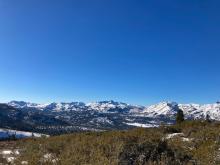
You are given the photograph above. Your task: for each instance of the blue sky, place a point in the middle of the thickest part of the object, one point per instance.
(135, 51)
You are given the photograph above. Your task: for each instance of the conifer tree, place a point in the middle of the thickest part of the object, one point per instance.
(207, 118)
(179, 116)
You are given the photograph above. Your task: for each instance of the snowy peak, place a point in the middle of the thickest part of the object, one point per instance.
(106, 105)
(161, 109)
(17, 104)
(197, 111)
(112, 106)
(58, 107)
(23, 104)
(213, 110)
(102, 106)
(103, 115)
(191, 111)
(48, 107)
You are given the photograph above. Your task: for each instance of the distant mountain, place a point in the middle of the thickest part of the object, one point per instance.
(163, 109)
(197, 111)
(104, 115)
(26, 120)
(168, 109)
(103, 106)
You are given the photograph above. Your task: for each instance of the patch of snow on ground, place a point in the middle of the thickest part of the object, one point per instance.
(6, 152)
(129, 119)
(180, 135)
(186, 139)
(9, 152)
(9, 155)
(7, 133)
(142, 125)
(10, 159)
(102, 120)
(170, 136)
(49, 157)
(24, 162)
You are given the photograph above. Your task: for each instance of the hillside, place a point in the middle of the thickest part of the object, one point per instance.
(190, 143)
(60, 118)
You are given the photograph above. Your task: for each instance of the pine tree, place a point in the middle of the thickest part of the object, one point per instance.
(179, 116)
(207, 118)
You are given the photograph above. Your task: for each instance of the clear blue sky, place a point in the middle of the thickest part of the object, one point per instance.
(135, 51)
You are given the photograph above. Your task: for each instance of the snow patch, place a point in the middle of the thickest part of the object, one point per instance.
(170, 136)
(7, 133)
(179, 135)
(142, 125)
(101, 120)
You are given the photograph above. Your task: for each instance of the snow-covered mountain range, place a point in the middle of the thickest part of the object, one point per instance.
(104, 115)
(102, 106)
(165, 109)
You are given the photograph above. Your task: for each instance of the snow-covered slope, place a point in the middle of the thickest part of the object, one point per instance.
(8, 133)
(168, 109)
(102, 106)
(213, 110)
(22, 105)
(112, 106)
(201, 111)
(161, 109)
(57, 107)
(106, 105)
(191, 111)
(111, 114)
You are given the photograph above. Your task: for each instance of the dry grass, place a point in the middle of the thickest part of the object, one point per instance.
(133, 147)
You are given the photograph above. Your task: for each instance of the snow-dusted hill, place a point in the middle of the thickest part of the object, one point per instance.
(104, 115)
(201, 111)
(23, 104)
(56, 107)
(165, 109)
(191, 111)
(102, 106)
(161, 109)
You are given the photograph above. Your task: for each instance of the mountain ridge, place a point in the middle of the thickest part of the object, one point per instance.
(103, 106)
(103, 115)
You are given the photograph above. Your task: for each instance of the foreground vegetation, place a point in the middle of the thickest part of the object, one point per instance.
(195, 142)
